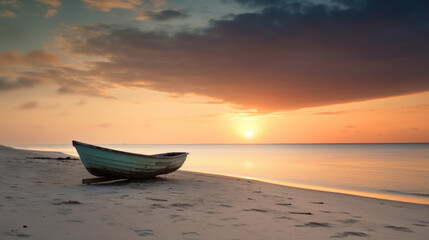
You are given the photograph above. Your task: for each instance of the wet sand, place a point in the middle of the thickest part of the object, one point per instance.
(41, 197)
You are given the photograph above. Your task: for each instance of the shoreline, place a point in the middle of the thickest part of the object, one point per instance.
(44, 199)
(423, 201)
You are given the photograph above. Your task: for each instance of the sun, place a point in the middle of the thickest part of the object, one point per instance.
(249, 133)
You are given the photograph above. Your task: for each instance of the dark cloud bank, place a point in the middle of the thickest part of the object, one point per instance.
(21, 82)
(286, 55)
(165, 15)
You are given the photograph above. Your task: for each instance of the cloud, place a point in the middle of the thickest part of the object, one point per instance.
(107, 5)
(50, 13)
(51, 7)
(29, 105)
(161, 15)
(35, 57)
(154, 3)
(12, 3)
(74, 81)
(282, 57)
(263, 3)
(7, 14)
(21, 82)
(52, 3)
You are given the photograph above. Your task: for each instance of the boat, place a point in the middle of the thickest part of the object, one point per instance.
(110, 163)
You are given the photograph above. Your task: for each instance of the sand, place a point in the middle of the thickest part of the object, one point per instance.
(44, 199)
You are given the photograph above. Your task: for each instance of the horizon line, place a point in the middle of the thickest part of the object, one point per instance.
(315, 143)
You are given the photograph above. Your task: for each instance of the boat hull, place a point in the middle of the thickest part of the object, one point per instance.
(106, 162)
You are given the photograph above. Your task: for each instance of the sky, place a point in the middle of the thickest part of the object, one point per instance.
(214, 71)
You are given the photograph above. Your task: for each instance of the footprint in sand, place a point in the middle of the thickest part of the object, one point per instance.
(22, 235)
(157, 205)
(421, 224)
(225, 205)
(350, 234)
(256, 210)
(73, 221)
(315, 224)
(177, 218)
(239, 225)
(302, 213)
(182, 205)
(190, 233)
(17, 234)
(284, 204)
(144, 233)
(348, 221)
(401, 229)
(157, 199)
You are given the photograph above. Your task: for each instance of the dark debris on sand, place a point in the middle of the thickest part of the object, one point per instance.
(50, 158)
(70, 202)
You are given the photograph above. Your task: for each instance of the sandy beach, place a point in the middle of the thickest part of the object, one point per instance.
(42, 198)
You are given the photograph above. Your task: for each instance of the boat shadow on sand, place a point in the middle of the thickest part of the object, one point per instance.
(106, 181)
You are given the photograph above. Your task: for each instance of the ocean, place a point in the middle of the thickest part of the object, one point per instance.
(386, 171)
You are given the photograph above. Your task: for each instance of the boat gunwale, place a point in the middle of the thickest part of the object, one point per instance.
(156, 156)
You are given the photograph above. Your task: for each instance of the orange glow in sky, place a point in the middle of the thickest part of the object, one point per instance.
(154, 117)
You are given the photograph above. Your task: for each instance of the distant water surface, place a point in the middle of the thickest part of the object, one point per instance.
(387, 171)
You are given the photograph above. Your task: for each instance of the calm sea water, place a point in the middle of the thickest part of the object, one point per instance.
(387, 171)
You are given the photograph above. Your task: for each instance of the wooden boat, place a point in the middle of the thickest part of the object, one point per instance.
(105, 162)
